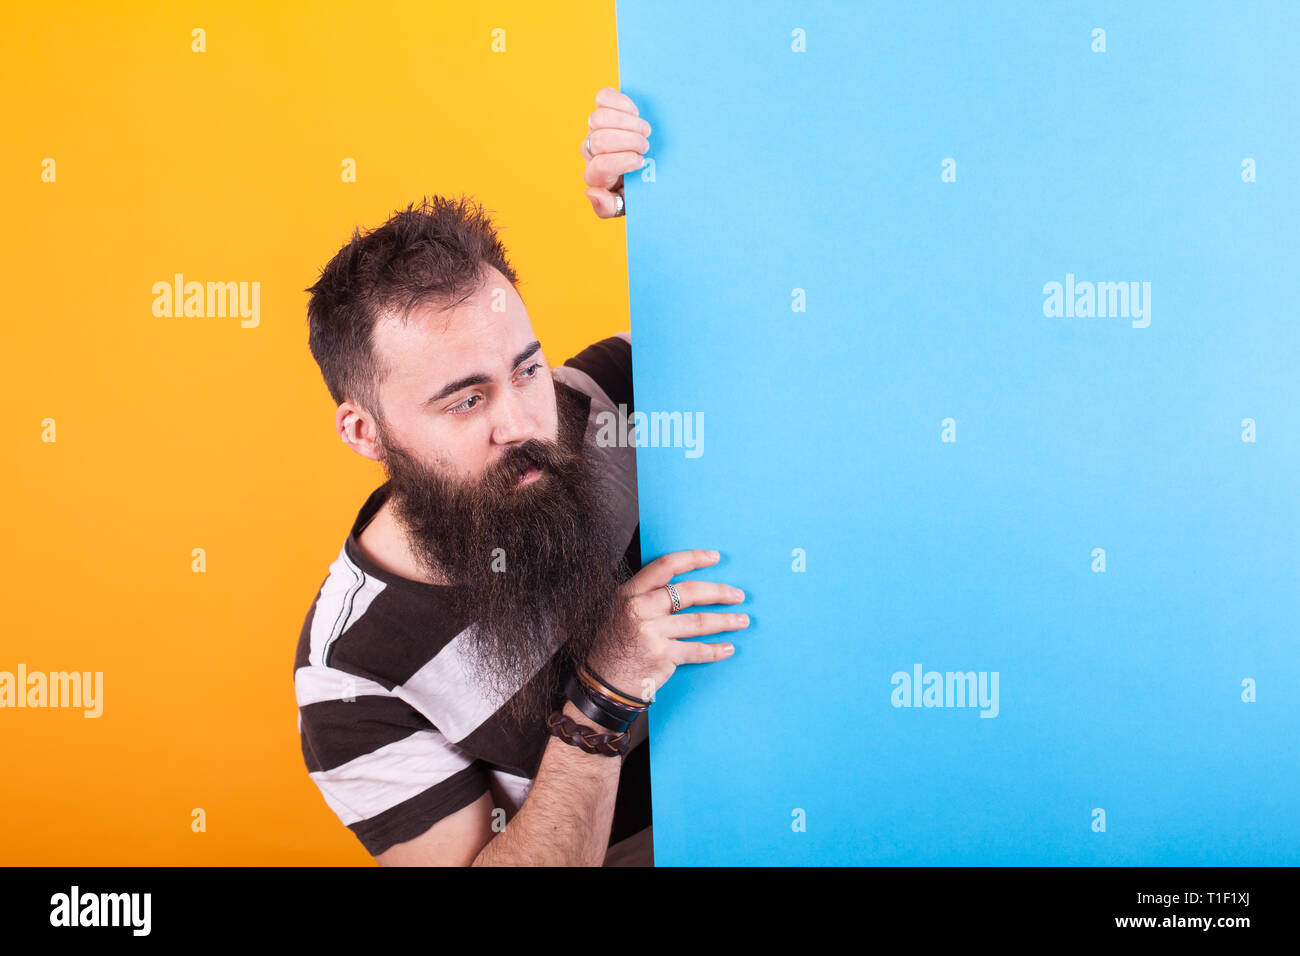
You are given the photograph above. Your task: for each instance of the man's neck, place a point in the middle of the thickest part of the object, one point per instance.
(384, 542)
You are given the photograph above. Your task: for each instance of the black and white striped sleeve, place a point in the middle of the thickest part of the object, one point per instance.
(381, 766)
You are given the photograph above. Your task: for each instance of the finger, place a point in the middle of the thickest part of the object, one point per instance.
(697, 652)
(602, 201)
(699, 623)
(616, 140)
(695, 594)
(665, 567)
(608, 96)
(604, 169)
(616, 119)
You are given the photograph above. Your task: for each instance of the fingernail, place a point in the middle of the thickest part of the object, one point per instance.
(742, 618)
(714, 555)
(728, 650)
(737, 593)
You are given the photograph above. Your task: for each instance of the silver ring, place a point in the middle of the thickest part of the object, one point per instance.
(619, 210)
(677, 603)
(586, 144)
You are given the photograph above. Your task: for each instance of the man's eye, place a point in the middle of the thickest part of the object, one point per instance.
(465, 407)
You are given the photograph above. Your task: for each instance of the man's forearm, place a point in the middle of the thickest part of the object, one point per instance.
(566, 818)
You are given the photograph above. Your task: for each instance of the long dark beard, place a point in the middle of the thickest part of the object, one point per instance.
(533, 567)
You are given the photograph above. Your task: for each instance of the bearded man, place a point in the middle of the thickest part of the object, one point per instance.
(474, 673)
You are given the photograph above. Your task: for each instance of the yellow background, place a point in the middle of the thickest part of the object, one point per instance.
(183, 433)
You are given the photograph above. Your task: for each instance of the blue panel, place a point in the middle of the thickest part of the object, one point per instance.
(805, 279)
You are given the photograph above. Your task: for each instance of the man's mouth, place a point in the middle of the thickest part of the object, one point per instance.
(528, 475)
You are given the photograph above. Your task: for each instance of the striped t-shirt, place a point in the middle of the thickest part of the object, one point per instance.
(393, 733)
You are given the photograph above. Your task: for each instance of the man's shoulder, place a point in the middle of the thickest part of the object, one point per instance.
(603, 370)
(606, 365)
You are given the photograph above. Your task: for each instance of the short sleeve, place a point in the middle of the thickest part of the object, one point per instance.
(609, 364)
(384, 769)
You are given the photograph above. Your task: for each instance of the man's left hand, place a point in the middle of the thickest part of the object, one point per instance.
(616, 144)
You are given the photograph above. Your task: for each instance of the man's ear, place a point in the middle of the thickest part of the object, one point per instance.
(357, 429)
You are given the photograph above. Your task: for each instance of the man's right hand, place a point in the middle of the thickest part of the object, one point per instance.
(651, 646)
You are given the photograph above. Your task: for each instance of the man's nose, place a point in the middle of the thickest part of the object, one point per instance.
(513, 423)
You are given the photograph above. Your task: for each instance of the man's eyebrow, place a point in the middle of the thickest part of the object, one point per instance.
(478, 378)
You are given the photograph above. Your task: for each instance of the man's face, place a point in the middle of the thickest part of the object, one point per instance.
(492, 484)
(466, 385)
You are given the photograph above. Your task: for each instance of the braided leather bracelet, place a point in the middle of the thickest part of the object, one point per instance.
(592, 741)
